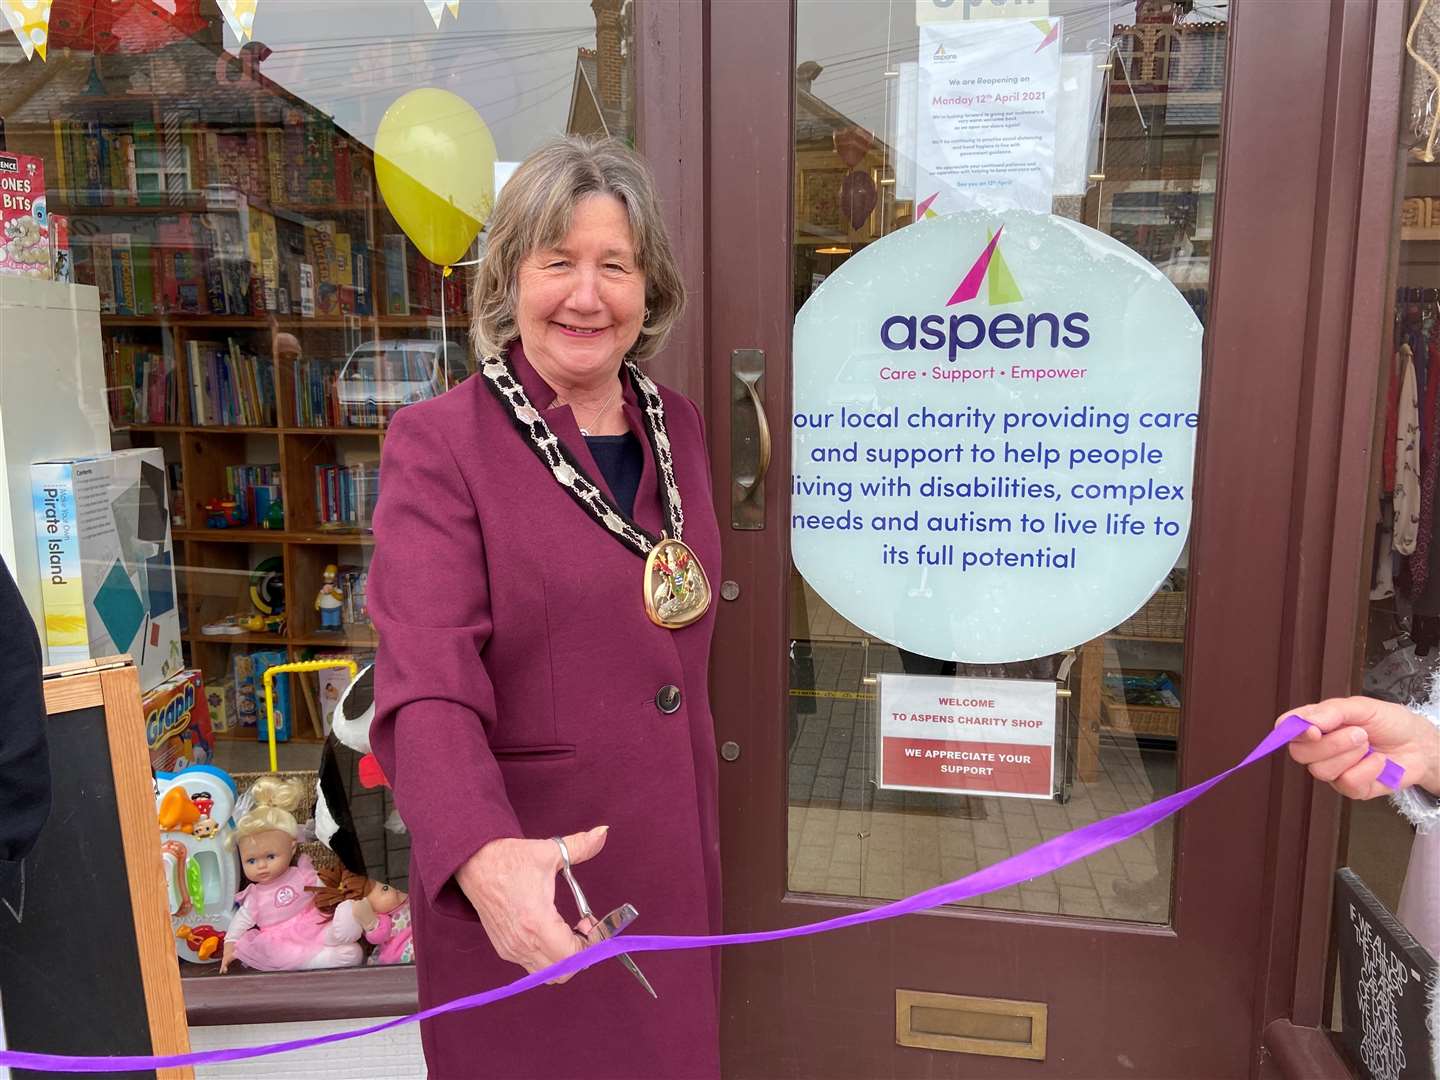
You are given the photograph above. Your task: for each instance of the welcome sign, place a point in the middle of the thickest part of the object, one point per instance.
(993, 435)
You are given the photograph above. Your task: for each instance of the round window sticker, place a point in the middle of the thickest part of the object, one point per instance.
(994, 435)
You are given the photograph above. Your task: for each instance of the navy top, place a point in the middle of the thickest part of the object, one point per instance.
(620, 460)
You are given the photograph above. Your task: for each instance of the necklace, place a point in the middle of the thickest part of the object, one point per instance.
(676, 591)
(598, 412)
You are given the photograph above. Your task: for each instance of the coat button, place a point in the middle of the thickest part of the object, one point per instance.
(667, 699)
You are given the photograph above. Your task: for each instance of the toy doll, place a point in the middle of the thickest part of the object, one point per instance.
(277, 926)
(330, 600)
(382, 912)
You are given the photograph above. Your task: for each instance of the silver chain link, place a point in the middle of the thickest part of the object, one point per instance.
(497, 370)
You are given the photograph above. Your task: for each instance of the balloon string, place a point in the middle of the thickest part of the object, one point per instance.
(444, 331)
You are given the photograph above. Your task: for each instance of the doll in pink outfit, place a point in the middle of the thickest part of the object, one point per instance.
(278, 927)
(381, 911)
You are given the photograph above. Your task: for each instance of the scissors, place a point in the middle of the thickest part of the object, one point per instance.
(607, 927)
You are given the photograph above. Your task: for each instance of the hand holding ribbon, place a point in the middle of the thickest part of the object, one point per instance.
(1365, 748)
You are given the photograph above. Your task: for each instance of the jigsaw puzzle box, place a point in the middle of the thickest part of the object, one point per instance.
(107, 568)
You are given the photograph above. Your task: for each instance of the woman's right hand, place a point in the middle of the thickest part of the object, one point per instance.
(511, 885)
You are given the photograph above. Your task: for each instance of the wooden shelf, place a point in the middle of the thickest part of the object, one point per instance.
(278, 640)
(275, 536)
(215, 429)
(232, 536)
(366, 639)
(1420, 232)
(367, 430)
(322, 536)
(201, 206)
(355, 640)
(159, 320)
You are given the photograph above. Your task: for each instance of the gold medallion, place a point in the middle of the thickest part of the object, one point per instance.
(676, 592)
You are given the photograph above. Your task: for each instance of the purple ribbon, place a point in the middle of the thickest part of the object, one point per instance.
(1036, 862)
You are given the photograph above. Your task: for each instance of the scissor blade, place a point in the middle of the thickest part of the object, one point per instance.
(640, 975)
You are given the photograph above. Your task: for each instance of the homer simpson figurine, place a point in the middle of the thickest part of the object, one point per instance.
(329, 600)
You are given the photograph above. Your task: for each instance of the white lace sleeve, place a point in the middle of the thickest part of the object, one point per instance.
(1420, 809)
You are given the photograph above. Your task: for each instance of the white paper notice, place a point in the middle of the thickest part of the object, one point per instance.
(985, 115)
(967, 736)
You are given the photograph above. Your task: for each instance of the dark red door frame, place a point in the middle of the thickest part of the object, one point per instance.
(1345, 328)
(1314, 85)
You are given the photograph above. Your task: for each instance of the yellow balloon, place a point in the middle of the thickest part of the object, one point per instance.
(435, 164)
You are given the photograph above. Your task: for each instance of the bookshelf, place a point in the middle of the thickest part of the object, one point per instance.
(244, 264)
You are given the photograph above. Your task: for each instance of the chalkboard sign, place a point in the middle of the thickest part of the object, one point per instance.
(86, 961)
(1386, 980)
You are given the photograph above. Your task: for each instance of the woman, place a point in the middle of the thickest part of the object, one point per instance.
(1349, 745)
(543, 661)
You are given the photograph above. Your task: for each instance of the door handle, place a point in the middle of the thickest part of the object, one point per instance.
(750, 444)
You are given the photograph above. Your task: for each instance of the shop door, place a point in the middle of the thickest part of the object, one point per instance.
(1144, 960)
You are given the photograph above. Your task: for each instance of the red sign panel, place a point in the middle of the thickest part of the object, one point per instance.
(1010, 768)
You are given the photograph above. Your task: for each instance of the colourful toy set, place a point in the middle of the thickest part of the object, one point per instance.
(194, 808)
(177, 723)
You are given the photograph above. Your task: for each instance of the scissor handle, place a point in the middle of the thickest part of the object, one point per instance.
(575, 890)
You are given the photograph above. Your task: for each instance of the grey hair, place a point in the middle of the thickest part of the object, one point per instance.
(534, 212)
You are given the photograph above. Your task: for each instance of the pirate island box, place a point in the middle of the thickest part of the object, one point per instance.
(24, 233)
(107, 568)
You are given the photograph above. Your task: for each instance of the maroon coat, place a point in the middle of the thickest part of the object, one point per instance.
(516, 696)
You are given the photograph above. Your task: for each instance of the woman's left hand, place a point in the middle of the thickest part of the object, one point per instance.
(1337, 750)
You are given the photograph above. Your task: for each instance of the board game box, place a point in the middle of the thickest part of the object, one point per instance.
(177, 723)
(107, 567)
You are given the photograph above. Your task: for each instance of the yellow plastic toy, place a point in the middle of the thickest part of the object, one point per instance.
(281, 669)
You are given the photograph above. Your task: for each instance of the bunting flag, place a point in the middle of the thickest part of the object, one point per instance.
(30, 19)
(240, 15)
(437, 9)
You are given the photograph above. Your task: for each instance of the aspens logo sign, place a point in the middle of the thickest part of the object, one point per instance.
(958, 333)
(993, 436)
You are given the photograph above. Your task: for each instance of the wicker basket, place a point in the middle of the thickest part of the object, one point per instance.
(1154, 720)
(1162, 618)
(319, 854)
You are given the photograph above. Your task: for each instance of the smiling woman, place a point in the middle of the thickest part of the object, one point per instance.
(542, 692)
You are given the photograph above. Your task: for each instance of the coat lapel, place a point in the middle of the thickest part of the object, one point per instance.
(648, 514)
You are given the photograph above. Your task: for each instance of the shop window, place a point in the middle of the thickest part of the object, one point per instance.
(263, 315)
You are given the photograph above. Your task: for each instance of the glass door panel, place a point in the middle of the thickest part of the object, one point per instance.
(1137, 135)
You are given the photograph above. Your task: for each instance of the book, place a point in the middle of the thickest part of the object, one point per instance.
(229, 387)
(122, 267)
(24, 238)
(140, 385)
(307, 290)
(104, 272)
(346, 495)
(397, 282)
(335, 681)
(102, 528)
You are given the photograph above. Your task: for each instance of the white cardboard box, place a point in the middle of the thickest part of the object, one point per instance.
(107, 567)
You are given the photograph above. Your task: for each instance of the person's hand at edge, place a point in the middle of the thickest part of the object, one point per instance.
(1337, 749)
(511, 885)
